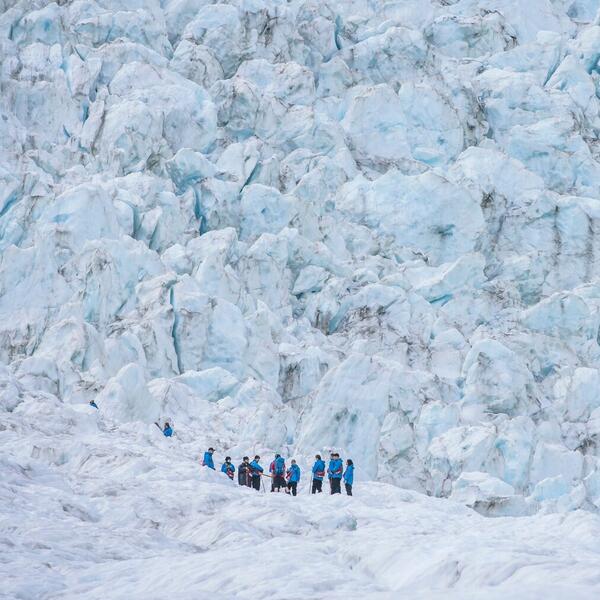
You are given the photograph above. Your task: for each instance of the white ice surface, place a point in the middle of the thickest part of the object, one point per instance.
(92, 509)
(294, 226)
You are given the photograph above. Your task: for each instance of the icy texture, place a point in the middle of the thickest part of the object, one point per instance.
(102, 509)
(299, 225)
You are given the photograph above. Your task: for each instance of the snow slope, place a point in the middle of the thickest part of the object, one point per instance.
(368, 225)
(101, 511)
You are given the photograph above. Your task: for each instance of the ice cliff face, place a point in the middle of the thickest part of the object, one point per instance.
(369, 225)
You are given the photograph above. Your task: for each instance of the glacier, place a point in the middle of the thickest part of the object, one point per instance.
(297, 225)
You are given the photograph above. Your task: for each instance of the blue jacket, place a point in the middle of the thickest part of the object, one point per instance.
(278, 466)
(318, 470)
(293, 474)
(168, 431)
(228, 469)
(207, 461)
(92, 403)
(255, 469)
(335, 469)
(349, 474)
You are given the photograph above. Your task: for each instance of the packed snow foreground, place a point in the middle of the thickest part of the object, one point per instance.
(292, 226)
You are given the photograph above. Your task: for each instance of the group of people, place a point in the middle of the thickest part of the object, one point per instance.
(250, 473)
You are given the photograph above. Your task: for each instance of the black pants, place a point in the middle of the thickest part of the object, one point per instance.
(336, 486)
(278, 483)
(256, 482)
(348, 489)
(317, 486)
(293, 485)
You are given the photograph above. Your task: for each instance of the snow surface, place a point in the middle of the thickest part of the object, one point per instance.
(93, 509)
(368, 225)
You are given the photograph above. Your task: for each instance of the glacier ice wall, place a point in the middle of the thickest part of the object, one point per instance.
(370, 225)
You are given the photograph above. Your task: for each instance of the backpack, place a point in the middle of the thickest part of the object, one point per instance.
(279, 466)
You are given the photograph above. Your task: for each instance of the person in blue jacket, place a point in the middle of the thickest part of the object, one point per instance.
(167, 430)
(255, 471)
(207, 461)
(277, 470)
(228, 468)
(293, 477)
(349, 476)
(318, 473)
(334, 473)
(93, 403)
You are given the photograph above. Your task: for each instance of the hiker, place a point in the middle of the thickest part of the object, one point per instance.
(244, 472)
(334, 473)
(349, 476)
(207, 461)
(277, 470)
(293, 477)
(228, 468)
(93, 403)
(255, 471)
(167, 430)
(318, 472)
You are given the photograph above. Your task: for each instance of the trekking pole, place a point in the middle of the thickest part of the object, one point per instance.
(310, 486)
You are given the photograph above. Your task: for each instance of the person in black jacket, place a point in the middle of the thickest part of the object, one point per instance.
(244, 477)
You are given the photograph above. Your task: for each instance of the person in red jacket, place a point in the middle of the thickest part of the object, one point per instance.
(277, 470)
(255, 471)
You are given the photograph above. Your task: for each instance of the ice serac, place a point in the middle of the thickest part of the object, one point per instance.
(425, 214)
(302, 225)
